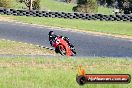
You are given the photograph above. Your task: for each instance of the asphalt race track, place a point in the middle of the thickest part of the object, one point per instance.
(85, 44)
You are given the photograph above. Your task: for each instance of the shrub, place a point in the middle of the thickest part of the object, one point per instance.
(86, 6)
(36, 5)
(5, 3)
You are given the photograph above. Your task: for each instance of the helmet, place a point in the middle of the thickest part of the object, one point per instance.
(51, 34)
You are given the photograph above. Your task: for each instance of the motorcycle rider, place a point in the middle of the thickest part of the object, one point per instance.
(53, 37)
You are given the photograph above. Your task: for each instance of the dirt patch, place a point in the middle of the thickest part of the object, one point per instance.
(5, 18)
(16, 48)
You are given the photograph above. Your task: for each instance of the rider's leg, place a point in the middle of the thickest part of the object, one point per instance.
(70, 44)
(67, 40)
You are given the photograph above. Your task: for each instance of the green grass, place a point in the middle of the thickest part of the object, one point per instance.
(59, 6)
(59, 72)
(17, 5)
(48, 5)
(15, 48)
(122, 28)
(104, 10)
(56, 6)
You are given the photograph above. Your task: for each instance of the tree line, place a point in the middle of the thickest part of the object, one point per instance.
(92, 5)
(85, 6)
(124, 5)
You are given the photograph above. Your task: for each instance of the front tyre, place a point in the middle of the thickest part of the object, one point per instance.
(62, 50)
(73, 51)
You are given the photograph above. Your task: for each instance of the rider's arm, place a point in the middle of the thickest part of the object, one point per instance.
(52, 41)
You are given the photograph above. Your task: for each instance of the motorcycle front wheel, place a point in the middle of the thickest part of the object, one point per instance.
(62, 50)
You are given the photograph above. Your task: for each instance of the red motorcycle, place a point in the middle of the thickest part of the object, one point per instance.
(62, 47)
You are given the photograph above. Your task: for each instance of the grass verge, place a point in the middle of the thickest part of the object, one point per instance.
(10, 47)
(58, 72)
(110, 27)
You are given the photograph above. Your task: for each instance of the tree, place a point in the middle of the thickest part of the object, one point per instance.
(31, 4)
(5, 3)
(36, 4)
(123, 5)
(86, 6)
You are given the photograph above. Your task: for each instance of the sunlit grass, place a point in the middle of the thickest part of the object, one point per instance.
(15, 48)
(122, 28)
(53, 5)
(59, 72)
